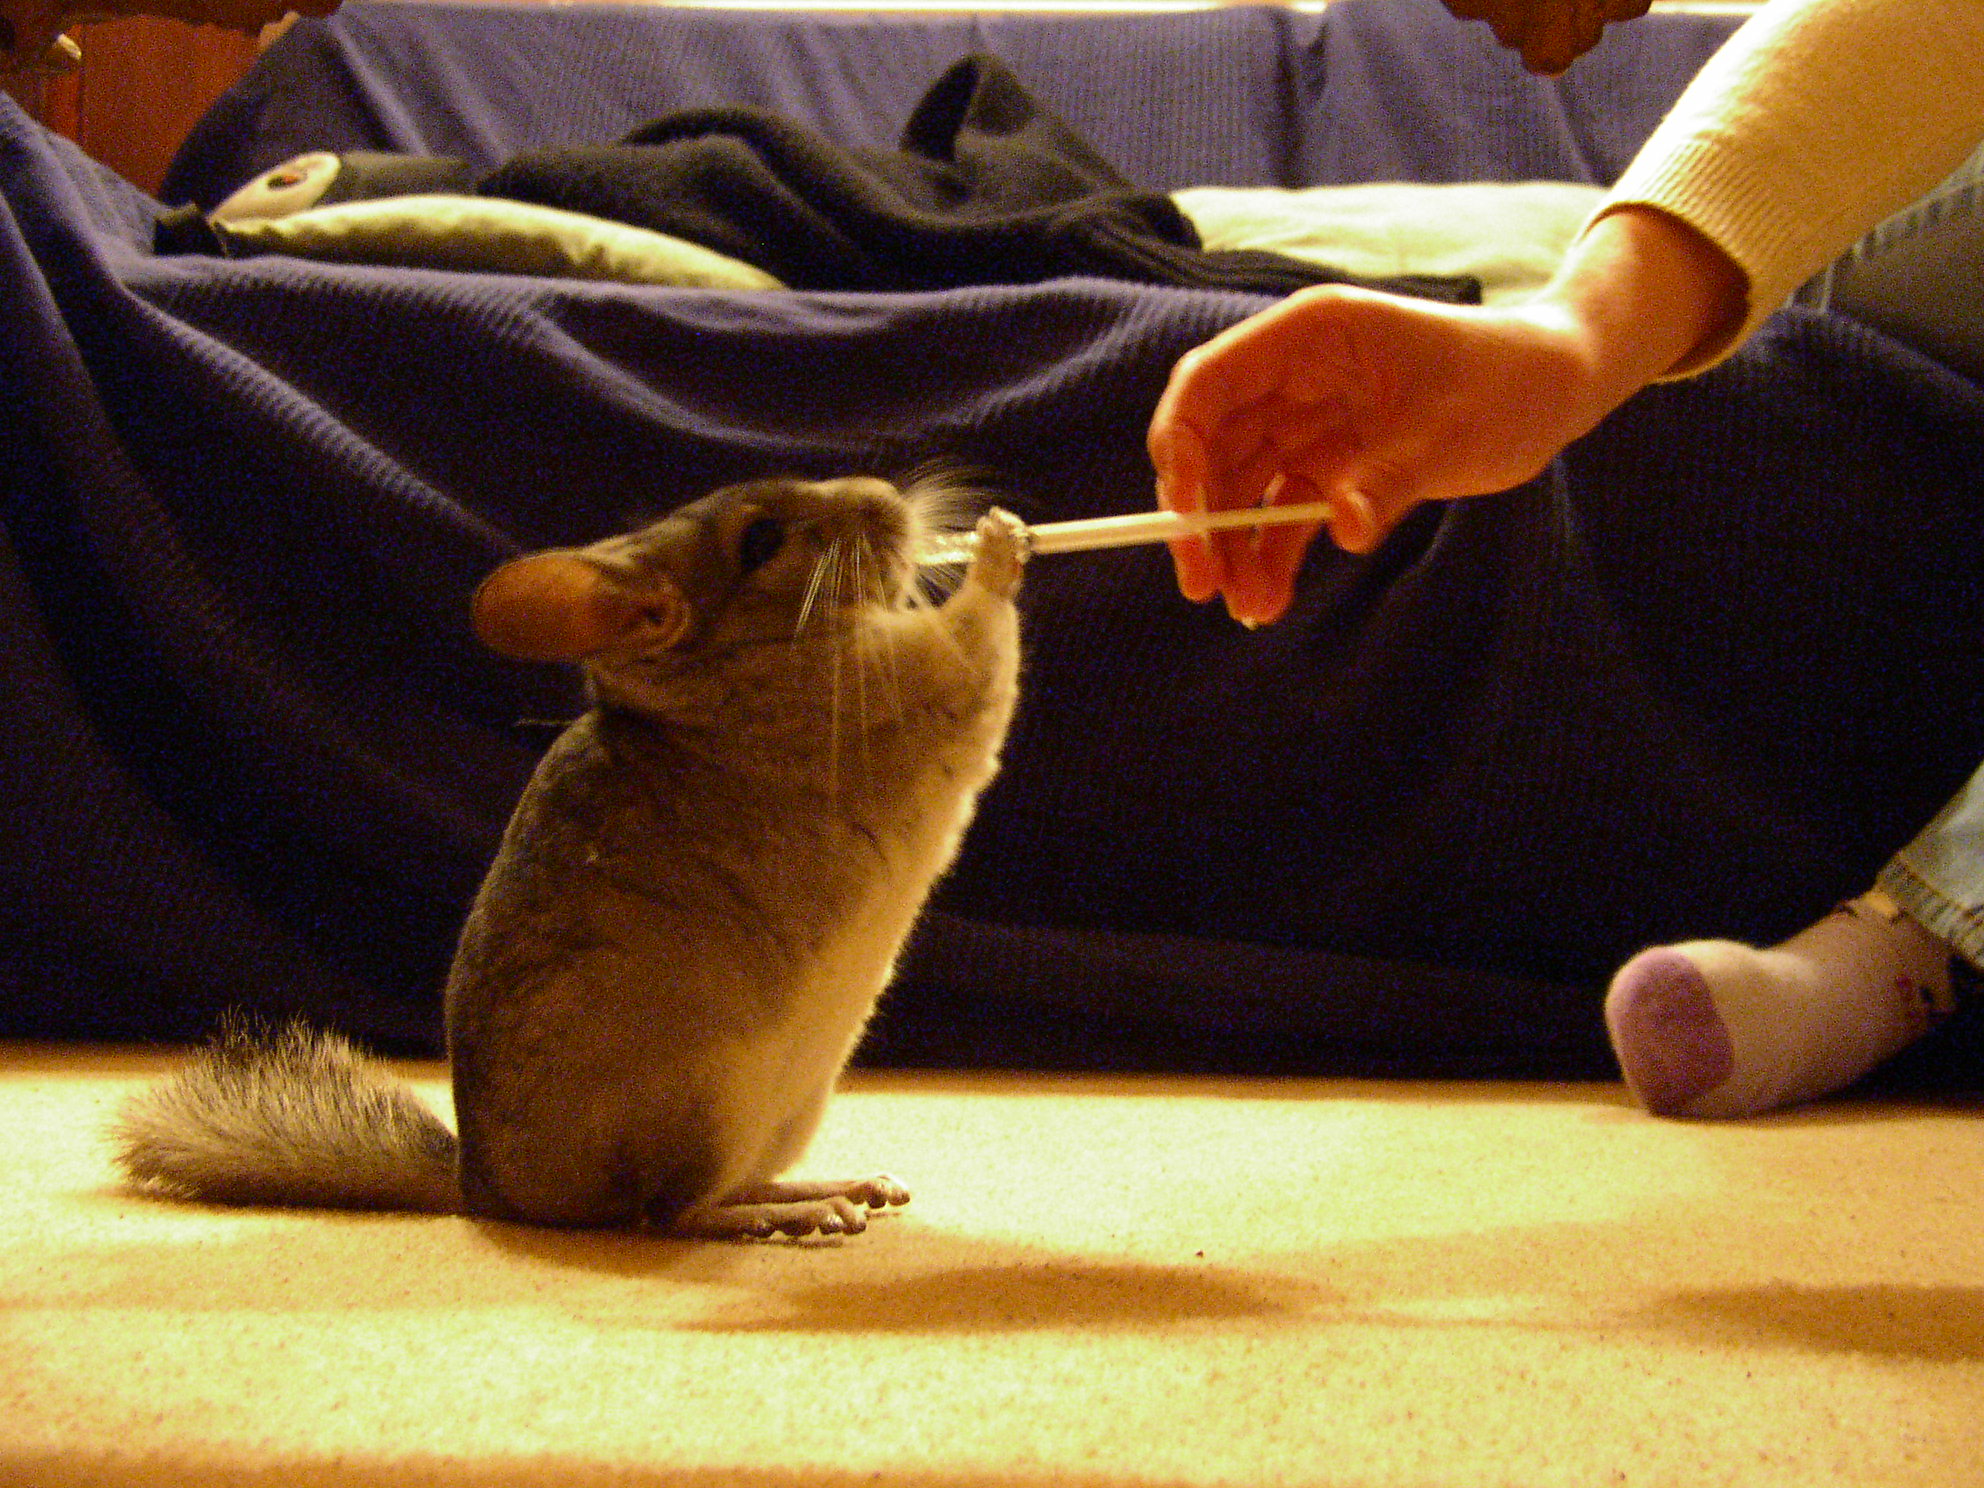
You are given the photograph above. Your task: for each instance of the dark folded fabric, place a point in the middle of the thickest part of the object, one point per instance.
(363, 174)
(988, 187)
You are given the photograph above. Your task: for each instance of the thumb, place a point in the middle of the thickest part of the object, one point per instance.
(1369, 503)
(1354, 522)
(1183, 476)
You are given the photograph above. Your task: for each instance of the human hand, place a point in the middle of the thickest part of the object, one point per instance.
(1375, 404)
(1550, 34)
(1368, 401)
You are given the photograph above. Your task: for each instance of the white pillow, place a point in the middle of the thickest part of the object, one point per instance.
(1509, 235)
(488, 235)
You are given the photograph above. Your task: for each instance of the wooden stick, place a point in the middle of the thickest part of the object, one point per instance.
(1090, 533)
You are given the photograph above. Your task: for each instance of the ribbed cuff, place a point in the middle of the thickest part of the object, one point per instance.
(1742, 207)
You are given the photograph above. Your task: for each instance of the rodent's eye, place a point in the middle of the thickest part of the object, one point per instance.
(759, 544)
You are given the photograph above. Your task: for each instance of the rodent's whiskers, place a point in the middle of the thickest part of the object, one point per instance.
(826, 577)
(941, 504)
(849, 579)
(845, 644)
(820, 567)
(882, 639)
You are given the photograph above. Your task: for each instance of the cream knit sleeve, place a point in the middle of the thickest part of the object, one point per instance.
(1818, 119)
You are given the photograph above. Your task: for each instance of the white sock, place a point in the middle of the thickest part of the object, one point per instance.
(1714, 1028)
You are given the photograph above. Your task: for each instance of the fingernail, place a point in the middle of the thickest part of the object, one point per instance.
(1359, 525)
(1239, 619)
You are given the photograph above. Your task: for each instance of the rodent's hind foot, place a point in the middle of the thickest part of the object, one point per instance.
(878, 1192)
(793, 1207)
(833, 1216)
(1001, 553)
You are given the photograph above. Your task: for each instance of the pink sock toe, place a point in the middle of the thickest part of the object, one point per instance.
(1671, 1043)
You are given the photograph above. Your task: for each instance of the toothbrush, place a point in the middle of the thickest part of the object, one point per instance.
(1090, 533)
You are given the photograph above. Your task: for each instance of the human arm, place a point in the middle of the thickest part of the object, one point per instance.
(1817, 119)
(1815, 122)
(1376, 403)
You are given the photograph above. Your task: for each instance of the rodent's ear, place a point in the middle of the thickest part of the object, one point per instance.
(558, 606)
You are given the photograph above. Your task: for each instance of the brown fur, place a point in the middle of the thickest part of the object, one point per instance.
(699, 898)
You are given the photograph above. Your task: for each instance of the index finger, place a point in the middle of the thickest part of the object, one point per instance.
(1179, 454)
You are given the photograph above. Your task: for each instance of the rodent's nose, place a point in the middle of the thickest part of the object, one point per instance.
(879, 507)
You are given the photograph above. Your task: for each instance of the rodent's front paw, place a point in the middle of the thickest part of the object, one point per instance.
(1001, 552)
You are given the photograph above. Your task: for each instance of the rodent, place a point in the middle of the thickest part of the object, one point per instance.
(699, 898)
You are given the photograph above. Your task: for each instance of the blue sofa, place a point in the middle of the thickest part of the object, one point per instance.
(1699, 677)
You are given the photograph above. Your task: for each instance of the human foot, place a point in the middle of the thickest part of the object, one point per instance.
(1716, 1028)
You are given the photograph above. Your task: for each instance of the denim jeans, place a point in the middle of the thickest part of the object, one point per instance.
(1939, 877)
(1919, 277)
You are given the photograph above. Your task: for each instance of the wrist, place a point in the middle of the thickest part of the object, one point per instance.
(1640, 294)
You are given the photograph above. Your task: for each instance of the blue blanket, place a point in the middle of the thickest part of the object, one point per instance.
(1702, 676)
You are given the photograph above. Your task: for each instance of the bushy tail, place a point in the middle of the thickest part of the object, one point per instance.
(294, 1117)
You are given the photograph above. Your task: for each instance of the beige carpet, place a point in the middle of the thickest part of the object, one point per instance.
(1099, 1283)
